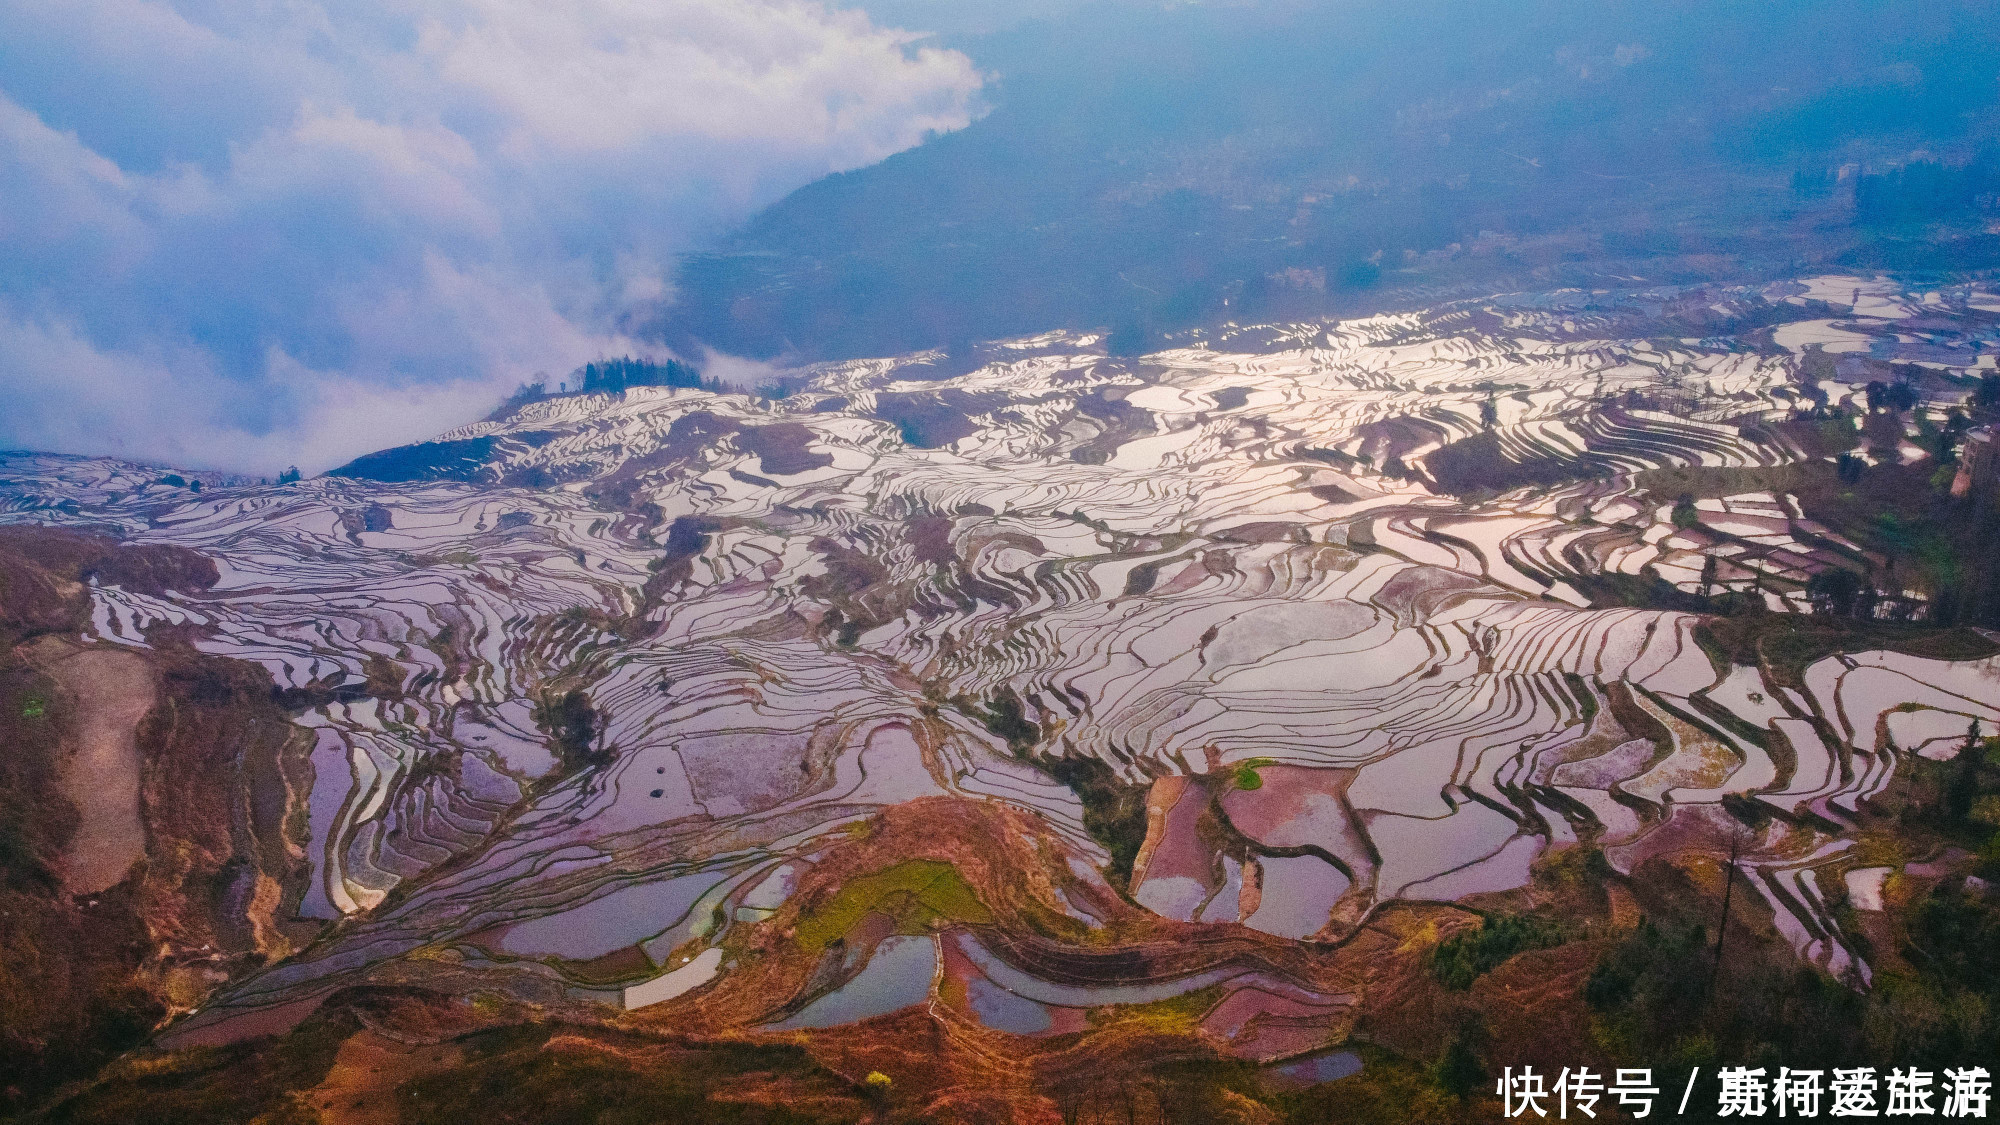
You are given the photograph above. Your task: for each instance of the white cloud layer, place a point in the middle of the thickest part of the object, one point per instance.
(245, 235)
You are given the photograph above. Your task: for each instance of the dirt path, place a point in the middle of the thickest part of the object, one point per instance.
(111, 690)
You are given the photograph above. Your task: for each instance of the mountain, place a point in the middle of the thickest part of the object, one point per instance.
(1228, 731)
(1147, 169)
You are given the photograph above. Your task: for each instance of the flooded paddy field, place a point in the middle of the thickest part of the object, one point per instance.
(590, 720)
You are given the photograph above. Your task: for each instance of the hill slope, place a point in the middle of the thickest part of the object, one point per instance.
(1156, 169)
(1070, 725)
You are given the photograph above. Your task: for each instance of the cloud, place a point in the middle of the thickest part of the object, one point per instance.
(225, 229)
(170, 406)
(792, 77)
(738, 371)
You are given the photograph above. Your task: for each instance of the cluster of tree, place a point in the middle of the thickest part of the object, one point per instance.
(1820, 410)
(1968, 780)
(1665, 994)
(1942, 442)
(611, 375)
(1839, 592)
(1987, 397)
(1685, 514)
(1459, 960)
(571, 723)
(522, 396)
(1898, 396)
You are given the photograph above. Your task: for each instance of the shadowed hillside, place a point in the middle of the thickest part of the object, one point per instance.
(1153, 170)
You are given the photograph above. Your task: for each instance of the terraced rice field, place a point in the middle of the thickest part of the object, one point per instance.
(1229, 571)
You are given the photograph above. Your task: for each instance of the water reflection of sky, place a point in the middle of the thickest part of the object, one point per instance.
(1001, 1010)
(1086, 995)
(619, 919)
(1315, 1069)
(898, 976)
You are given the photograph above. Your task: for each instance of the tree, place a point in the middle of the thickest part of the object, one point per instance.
(1849, 468)
(1833, 592)
(1878, 393)
(1865, 601)
(1963, 788)
(1987, 397)
(570, 721)
(525, 394)
(613, 375)
(1901, 397)
(1458, 1072)
(291, 475)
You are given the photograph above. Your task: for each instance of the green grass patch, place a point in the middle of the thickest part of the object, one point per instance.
(1176, 1015)
(915, 893)
(1247, 777)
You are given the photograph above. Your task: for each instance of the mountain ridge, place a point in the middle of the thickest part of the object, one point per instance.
(1162, 170)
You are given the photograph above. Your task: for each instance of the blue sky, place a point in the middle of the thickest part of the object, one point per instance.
(250, 234)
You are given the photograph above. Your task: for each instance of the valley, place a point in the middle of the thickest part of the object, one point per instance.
(1052, 711)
